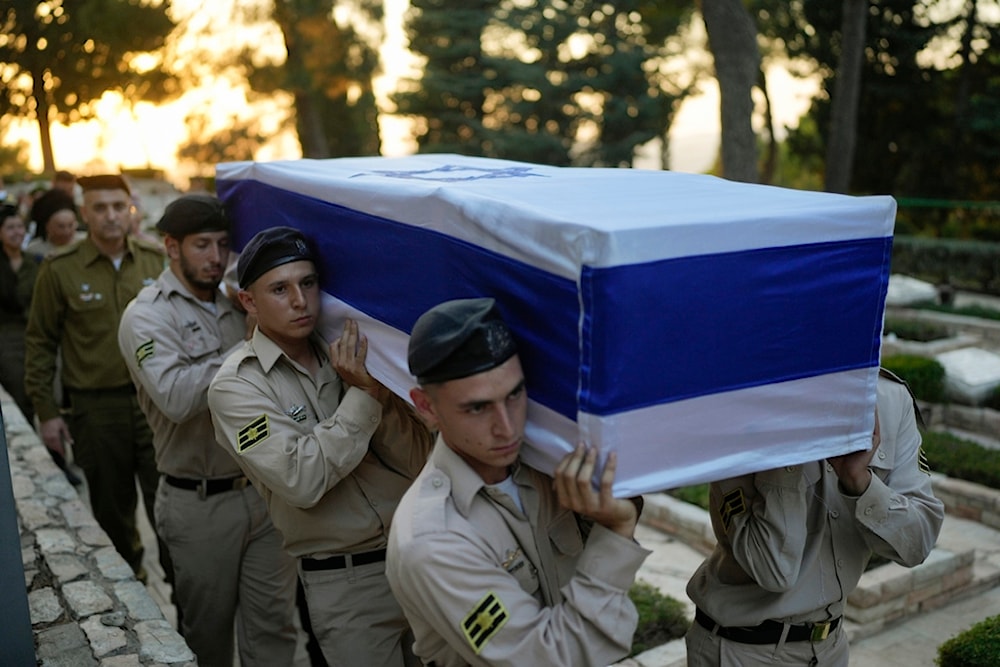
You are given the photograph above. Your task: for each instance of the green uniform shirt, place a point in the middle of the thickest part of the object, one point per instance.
(77, 303)
(15, 292)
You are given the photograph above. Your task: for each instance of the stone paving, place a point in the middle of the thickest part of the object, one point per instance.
(85, 605)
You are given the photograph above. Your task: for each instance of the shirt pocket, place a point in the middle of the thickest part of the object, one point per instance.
(564, 534)
(518, 566)
(198, 342)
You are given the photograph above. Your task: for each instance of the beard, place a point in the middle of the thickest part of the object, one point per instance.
(191, 276)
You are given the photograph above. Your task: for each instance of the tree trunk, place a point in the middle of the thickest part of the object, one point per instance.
(844, 105)
(44, 128)
(732, 38)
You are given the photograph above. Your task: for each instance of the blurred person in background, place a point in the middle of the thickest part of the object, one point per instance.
(56, 223)
(76, 307)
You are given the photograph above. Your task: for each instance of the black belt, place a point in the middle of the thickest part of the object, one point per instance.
(208, 487)
(340, 562)
(122, 390)
(768, 632)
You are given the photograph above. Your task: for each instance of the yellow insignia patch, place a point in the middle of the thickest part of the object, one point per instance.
(484, 621)
(143, 352)
(252, 433)
(733, 504)
(922, 462)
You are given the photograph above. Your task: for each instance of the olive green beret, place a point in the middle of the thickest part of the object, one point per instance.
(193, 214)
(269, 249)
(459, 338)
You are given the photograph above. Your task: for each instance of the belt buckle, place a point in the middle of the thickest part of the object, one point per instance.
(202, 489)
(240, 483)
(820, 631)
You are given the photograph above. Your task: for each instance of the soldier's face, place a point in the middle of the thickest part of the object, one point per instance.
(480, 417)
(201, 258)
(285, 301)
(106, 213)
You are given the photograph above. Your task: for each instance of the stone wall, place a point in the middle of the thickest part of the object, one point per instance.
(85, 604)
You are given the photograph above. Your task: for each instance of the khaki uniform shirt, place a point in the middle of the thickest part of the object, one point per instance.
(78, 301)
(331, 464)
(482, 582)
(792, 547)
(173, 345)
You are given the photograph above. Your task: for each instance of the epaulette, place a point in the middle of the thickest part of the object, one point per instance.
(889, 375)
(148, 245)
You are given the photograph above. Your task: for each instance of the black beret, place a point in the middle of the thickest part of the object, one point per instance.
(271, 248)
(103, 182)
(193, 214)
(48, 205)
(459, 338)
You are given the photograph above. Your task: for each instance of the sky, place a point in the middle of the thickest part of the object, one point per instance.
(148, 136)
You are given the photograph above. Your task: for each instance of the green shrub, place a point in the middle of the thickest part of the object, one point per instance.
(955, 457)
(661, 617)
(915, 330)
(695, 495)
(979, 646)
(925, 376)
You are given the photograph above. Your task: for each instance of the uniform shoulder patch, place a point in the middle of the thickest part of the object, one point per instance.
(922, 463)
(733, 505)
(143, 352)
(252, 433)
(484, 621)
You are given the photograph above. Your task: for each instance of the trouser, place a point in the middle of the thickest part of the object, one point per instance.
(113, 445)
(705, 649)
(356, 618)
(229, 564)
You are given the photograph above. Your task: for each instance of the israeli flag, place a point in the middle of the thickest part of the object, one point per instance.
(702, 328)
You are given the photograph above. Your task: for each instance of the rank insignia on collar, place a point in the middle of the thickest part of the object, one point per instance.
(297, 412)
(252, 433)
(484, 621)
(733, 504)
(143, 352)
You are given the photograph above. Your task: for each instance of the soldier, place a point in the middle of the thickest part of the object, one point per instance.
(77, 304)
(494, 562)
(329, 447)
(227, 555)
(794, 541)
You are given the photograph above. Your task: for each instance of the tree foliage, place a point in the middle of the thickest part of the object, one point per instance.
(58, 57)
(929, 100)
(552, 81)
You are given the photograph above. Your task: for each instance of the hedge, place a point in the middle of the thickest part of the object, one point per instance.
(979, 646)
(925, 376)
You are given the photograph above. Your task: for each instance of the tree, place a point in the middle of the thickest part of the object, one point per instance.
(844, 102)
(58, 58)
(553, 81)
(732, 37)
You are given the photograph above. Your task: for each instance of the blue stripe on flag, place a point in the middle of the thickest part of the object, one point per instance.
(693, 326)
(652, 333)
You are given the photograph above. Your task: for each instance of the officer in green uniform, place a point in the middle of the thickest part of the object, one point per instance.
(79, 297)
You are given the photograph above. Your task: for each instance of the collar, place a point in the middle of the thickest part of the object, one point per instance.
(90, 254)
(465, 482)
(268, 352)
(171, 285)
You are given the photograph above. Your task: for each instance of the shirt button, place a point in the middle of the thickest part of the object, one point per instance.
(881, 455)
(829, 468)
(868, 511)
(789, 468)
(840, 562)
(437, 483)
(373, 419)
(834, 514)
